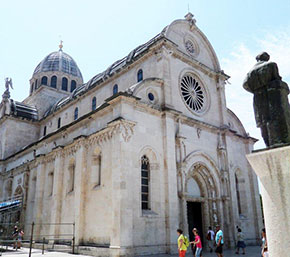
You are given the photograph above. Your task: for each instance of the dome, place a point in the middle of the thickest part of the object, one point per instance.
(59, 61)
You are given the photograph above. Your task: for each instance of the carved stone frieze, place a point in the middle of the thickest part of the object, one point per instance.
(125, 128)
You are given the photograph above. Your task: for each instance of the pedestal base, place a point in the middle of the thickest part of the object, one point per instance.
(272, 166)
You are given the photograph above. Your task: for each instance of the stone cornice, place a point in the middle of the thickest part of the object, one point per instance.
(204, 125)
(120, 126)
(15, 118)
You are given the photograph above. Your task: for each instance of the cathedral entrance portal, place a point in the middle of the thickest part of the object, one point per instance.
(194, 219)
(200, 200)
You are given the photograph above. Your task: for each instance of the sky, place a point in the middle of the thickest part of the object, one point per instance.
(97, 33)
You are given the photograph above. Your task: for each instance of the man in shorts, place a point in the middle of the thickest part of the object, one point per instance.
(219, 240)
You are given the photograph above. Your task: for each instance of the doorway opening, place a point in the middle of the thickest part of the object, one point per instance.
(194, 219)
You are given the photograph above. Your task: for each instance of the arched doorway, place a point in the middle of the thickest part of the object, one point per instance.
(201, 199)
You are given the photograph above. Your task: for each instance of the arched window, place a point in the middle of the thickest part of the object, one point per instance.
(8, 189)
(140, 75)
(36, 84)
(32, 88)
(44, 131)
(53, 81)
(32, 189)
(64, 83)
(71, 180)
(145, 183)
(96, 168)
(44, 80)
(241, 193)
(115, 89)
(76, 114)
(50, 184)
(94, 103)
(59, 122)
(238, 195)
(73, 85)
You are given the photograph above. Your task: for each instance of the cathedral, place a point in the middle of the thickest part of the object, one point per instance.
(141, 149)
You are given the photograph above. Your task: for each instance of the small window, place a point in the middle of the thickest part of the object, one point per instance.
(44, 80)
(32, 88)
(59, 122)
(145, 183)
(96, 170)
(151, 97)
(73, 85)
(94, 103)
(76, 114)
(53, 81)
(44, 131)
(71, 178)
(64, 83)
(115, 89)
(50, 184)
(36, 84)
(140, 75)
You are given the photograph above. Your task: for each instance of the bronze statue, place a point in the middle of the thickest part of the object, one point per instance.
(271, 106)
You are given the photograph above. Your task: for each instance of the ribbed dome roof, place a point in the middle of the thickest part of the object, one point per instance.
(59, 61)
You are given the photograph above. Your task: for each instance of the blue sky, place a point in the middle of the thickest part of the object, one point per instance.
(97, 33)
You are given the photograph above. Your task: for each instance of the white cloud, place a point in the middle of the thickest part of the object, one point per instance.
(241, 60)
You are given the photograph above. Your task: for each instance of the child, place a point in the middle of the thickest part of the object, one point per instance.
(241, 242)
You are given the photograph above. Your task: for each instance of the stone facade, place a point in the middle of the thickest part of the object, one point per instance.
(82, 158)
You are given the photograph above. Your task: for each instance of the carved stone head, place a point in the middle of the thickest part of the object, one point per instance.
(263, 57)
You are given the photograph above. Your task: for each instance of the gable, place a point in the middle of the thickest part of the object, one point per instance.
(192, 42)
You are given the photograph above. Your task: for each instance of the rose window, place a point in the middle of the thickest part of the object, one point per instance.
(192, 93)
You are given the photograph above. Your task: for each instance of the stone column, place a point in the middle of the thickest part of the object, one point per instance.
(272, 167)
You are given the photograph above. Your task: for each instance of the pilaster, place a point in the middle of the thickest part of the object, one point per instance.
(272, 167)
(79, 192)
(39, 192)
(57, 193)
(170, 175)
(122, 194)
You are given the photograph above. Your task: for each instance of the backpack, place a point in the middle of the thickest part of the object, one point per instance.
(208, 236)
(186, 241)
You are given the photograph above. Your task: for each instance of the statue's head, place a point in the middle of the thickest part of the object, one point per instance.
(263, 57)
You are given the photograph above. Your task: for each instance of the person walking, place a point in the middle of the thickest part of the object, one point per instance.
(219, 240)
(210, 238)
(15, 237)
(264, 246)
(241, 242)
(20, 236)
(197, 243)
(181, 243)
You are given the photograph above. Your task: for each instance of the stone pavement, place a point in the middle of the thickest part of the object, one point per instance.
(251, 251)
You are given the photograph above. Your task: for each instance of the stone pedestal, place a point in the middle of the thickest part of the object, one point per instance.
(273, 169)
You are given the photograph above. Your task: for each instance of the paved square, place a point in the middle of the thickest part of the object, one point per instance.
(251, 251)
